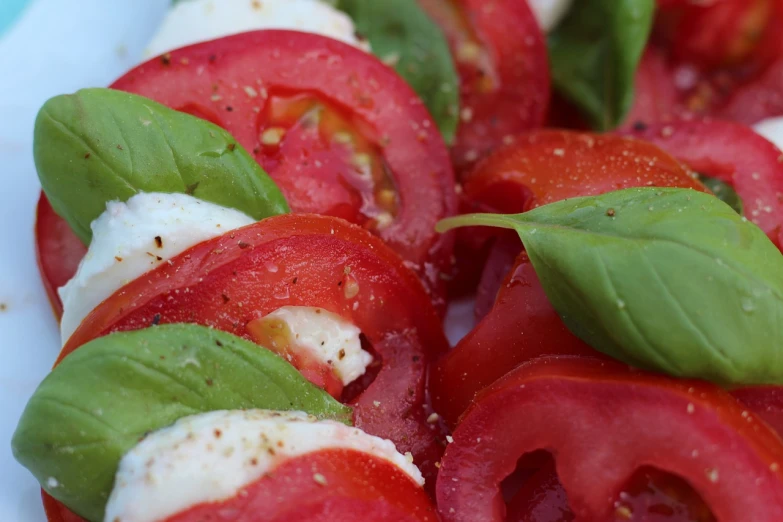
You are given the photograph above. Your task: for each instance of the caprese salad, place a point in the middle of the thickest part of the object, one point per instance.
(250, 241)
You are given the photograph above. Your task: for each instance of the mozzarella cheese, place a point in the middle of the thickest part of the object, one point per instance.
(131, 238)
(194, 21)
(212, 456)
(325, 336)
(549, 13)
(772, 129)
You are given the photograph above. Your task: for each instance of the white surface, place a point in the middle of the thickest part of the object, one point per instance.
(194, 21)
(188, 463)
(772, 129)
(325, 336)
(56, 46)
(549, 12)
(124, 245)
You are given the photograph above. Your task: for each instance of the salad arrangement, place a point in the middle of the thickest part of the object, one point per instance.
(251, 239)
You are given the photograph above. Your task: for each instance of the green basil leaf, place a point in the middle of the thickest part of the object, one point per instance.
(100, 145)
(671, 280)
(104, 397)
(724, 192)
(402, 35)
(594, 53)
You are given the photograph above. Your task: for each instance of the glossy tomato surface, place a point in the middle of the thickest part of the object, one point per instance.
(339, 132)
(501, 58)
(302, 260)
(603, 422)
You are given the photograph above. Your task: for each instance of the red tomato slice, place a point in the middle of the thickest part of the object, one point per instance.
(326, 486)
(352, 486)
(522, 325)
(603, 422)
(301, 260)
(544, 166)
(540, 499)
(57, 512)
(501, 58)
(539, 168)
(655, 93)
(733, 153)
(766, 402)
(339, 132)
(757, 100)
(57, 250)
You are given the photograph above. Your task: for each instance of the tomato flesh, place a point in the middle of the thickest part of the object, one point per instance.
(57, 250)
(354, 181)
(603, 421)
(501, 58)
(734, 154)
(301, 260)
(328, 485)
(260, 86)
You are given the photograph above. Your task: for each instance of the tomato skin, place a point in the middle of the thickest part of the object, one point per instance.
(602, 421)
(301, 260)
(57, 251)
(515, 48)
(210, 79)
(56, 511)
(495, 346)
(736, 155)
(766, 402)
(355, 487)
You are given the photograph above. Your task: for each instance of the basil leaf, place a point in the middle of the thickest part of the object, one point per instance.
(100, 145)
(402, 35)
(594, 53)
(724, 192)
(104, 397)
(665, 279)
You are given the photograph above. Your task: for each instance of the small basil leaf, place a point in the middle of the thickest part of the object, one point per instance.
(594, 53)
(724, 192)
(100, 145)
(401, 34)
(104, 397)
(665, 279)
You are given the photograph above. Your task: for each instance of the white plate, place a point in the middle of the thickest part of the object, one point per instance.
(55, 47)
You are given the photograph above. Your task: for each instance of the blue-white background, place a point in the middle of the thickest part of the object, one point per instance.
(47, 47)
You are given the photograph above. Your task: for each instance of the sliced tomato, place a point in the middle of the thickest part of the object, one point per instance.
(766, 402)
(328, 485)
(522, 325)
(604, 422)
(325, 486)
(339, 132)
(758, 100)
(501, 58)
(655, 93)
(56, 511)
(301, 260)
(734, 154)
(57, 250)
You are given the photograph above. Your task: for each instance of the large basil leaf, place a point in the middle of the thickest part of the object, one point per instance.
(594, 53)
(104, 397)
(724, 192)
(100, 145)
(666, 279)
(402, 34)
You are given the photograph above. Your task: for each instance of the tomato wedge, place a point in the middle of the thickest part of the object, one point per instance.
(302, 260)
(338, 130)
(603, 422)
(734, 154)
(501, 58)
(328, 485)
(57, 250)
